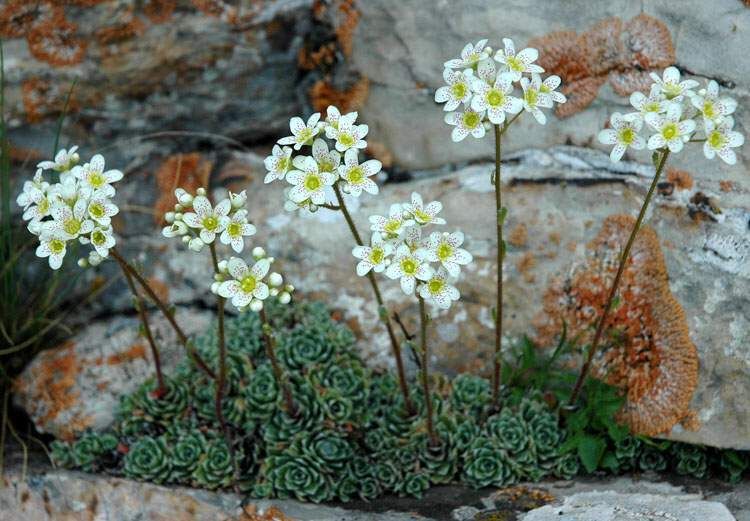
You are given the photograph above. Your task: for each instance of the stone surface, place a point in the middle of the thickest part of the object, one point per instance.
(611, 506)
(78, 385)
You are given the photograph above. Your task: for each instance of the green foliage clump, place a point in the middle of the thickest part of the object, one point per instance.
(350, 437)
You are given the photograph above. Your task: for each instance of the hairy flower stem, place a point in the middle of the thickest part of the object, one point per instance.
(615, 284)
(434, 440)
(382, 310)
(291, 408)
(199, 362)
(221, 381)
(497, 359)
(140, 306)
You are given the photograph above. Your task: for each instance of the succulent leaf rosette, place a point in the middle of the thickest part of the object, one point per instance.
(215, 469)
(148, 459)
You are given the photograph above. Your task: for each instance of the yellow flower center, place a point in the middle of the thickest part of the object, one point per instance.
(444, 251)
(356, 175)
(471, 119)
(627, 136)
(210, 223)
(651, 107)
(422, 216)
(284, 164)
(435, 286)
(459, 90)
(495, 98)
(72, 226)
(96, 210)
(234, 229)
(305, 135)
(708, 110)
(515, 64)
(392, 225)
(409, 266)
(325, 165)
(531, 97)
(377, 255)
(670, 131)
(312, 183)
(96, 179)
(43, 206)
(56, 246)
(672, 90)
(716, 139)
(248, 284)
(98, 237)
(544, 89)
(346, 139)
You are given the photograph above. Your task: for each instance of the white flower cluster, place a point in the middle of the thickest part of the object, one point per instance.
(670, 110)
(398, 248)
(482, 86)
(248, 286)
(198, 222)
(77, 207)
(313, 176)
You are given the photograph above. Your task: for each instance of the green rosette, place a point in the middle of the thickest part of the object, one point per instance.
(329, 450)
(733, 464)
(567, 466)
(62, 455)
(465, 432)
(148, 460)
(298, 477)
(132, 419)
(93, 449)
(350, 380)
(261, 394)
(652, 459)
(170, 405)
(486, 464)
(303, 348)
(369, 488)
(347, 488)
(440, 461)
(186, 450)
(360, 467)
(546, 435)
(279, 431)
(388, 474)
(470, 395)
(627, 451)
(379, 439)
(414, 484)
(690, 460)
(337, 409)
(215, 468)
(509, 430)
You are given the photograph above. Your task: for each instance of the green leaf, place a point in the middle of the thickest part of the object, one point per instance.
(591, 450)
(570, 444)
(503, 249)
(578, 421)
(655, 158)
(618, 432)
(609, 462)
(502, 213)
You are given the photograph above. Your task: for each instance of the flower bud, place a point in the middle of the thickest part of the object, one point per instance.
(256, 305)
(186, 200)
(215, 287)
(178, 207)
(35, 227)
(95, 259)
(258, 253)
(275, 279)
(223, 265)
(238, 200)
(83, 263)
(201, 191)
(273, 292)
(289, 288)
(285, 298)
(169, 217)
(185, 239)
(196, 244)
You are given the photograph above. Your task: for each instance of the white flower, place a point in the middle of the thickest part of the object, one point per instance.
(373, 257)
(533, 98)
(470, 56)
(328, 161)
(53, 247)
(467, 122)
(308, 182)
(623, 134)
(348, 135)
(176, 229)
(413, 238)
(393, 225)
(671, 132)
(517, 64)
(670, 84)
(236, 230)
(332, 117)
(409, 266)
(101, 209)
(547, 89)
(457, 91)
(101, 239)
(445, 249)
(64, 160)
(356, 176)
(69, 223)
(32, 191)
(720, 139)
(93, 177)
(424, 214)
(40, 203)
(438, 290)
(712, 107)
(302, 134)
(278, 163)
(654, 103)
(246, 284)
(238, 200)
(184, 198)
(207, 219)
(495, 99)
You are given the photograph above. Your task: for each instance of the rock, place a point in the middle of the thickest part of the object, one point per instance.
(613, 506)
(77, 386)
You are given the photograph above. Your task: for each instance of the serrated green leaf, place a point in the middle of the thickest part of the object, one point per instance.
(590, 451)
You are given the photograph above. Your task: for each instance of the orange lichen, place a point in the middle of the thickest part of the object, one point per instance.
(646, 350)
(56, 42)
(680, 179)
(17, 17)
(323, 93)
(518, 235)
(622, 53)
(524, 266)
(346, 26)
(189, 171)
(120, 31)
(250, 513)
(726, 186)
(134, 352)
(309, 60)
(42, 99)
(159, 11)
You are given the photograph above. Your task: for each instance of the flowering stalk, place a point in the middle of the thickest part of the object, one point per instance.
(382, 310)
(283, 384)
(500, 258)
(423, 320)
(140, 306)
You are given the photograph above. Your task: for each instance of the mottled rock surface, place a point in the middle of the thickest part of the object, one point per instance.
(77, 386)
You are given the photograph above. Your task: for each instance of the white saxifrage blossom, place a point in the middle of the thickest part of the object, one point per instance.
(63, 162)
(458, 90)
(207, 219)
(534, 99)
(346, 134)
(623, 134)
(93, 176)
(328, 160)
(438, 290)
(711, 106)
(721, 139)
(356, 176)
(374, 257)
(52, 247)
(236, 230)
(548, 90)
(422, 214)
(246, 284)
(302, 133)
(392, 226)
(517, 64)
(445, 248)
(495, 99)
(653, 103)
(471, 55)
(278, 163)
(309, 182)
(409, 266)
(467, 122)
(672, 131)
(101, 239)
(101, 209)
(671, 86)
(70, 222)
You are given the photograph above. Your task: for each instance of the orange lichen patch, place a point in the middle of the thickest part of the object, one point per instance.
(250, 512)
(134, 352)
(322, 94)
(646, 349)
(50, 387)
(524, 266)
(602, 41)
(726, 186)
(380, 152)
(559, 52)
(580, 93)
(681, 179)
(648, 43)
(56, 42)
(625, 83)
(189, 171)
(346, 26)
(159, 11)
(309, 60)
(218, 8)
(17, 17)
(123, 30)
(43, 99)
(519, 235)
